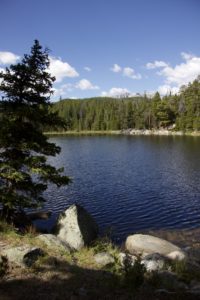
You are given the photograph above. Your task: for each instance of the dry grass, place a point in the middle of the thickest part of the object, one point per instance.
(60, 275)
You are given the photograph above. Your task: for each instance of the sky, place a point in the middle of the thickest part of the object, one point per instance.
(106, 47)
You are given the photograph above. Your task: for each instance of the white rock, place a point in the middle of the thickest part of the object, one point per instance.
(176, 255)
(153, 262)
(23, 256)
(127, 258)
(76, 227)
(152, 265)
(53, 241)
(104, 258)
(141, 243)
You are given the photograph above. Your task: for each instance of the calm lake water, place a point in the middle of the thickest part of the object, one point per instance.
(130, 183)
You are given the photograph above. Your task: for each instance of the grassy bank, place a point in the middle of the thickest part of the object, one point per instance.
(75, 275)
(63, 275)
(85, 132)
(119, 132)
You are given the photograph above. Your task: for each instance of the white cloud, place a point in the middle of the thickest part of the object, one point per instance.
(116, 68)
(7, 58)
(129, 72)
(61, 69)
(156, 64)
(62, 90)
(88, 69)
(166, 89)
(183, 73)
(186, 56)
(85, 84)
(116, 92)
(180, 74)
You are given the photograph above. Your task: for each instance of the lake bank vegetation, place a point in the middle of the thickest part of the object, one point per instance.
(47, 268)
(180, 112)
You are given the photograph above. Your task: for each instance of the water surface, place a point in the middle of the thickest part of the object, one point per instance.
(130, 183)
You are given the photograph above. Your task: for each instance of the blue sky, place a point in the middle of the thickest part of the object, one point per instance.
(106, 47)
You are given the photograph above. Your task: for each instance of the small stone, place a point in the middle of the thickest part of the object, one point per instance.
(193, 254)
(154, 262)
(195, 286)
(194, 283)
(163, 291)
(176, 255)
(104, 258)
(169, 280)
(127, 258)
(82, 291)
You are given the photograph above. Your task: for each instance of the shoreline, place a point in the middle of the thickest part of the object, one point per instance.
(132, 132)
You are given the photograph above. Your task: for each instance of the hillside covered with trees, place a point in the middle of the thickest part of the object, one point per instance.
(141, 112)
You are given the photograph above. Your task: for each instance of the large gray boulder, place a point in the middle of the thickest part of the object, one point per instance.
(76, 227)
(23, 256)
(142, 244)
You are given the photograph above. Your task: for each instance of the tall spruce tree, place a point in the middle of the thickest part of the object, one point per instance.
(26, 88)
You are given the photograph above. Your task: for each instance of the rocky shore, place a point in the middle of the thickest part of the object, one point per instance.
(146, 265)
(160, 132)
(130, 131)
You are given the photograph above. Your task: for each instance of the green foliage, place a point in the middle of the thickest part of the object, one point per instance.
(141, 112)
(185, 271)
(24, 112)
(5, 227)
(134, 274)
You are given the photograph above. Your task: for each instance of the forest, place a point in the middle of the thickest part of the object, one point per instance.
(180, 111)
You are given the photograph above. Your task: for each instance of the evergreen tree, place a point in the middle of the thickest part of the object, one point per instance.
(140, 112)
(24, 109)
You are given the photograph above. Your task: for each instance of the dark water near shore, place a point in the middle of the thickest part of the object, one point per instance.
(130, 183)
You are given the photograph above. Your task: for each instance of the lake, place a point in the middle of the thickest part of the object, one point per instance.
(130, 183)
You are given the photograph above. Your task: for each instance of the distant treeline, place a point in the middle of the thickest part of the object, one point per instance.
(140, 112)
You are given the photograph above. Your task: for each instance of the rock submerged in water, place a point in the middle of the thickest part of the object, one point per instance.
(142, 244)
(76, 227)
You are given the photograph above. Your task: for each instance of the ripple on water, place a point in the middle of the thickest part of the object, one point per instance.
(131, 184)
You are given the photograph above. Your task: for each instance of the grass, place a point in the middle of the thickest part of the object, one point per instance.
(107, 132)
(6, 228)
(67, 274)
(83, 132)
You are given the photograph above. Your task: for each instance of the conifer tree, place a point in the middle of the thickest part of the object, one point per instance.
(26, 88)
